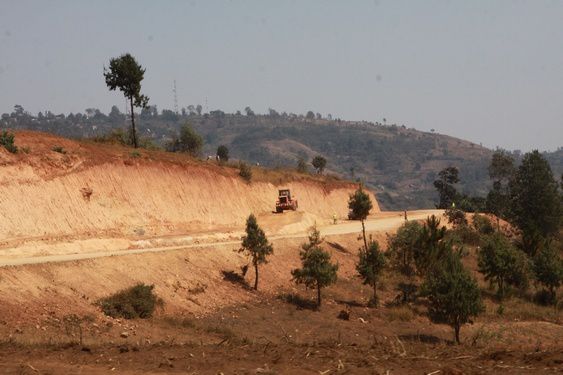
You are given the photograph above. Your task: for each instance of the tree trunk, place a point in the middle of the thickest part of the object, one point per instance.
(364, 234)
(133, 130)
(456, 328)
(374, 291)
(256, 279)
(318, 296)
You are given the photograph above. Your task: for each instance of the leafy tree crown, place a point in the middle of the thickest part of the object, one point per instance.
(359, 204)
(125, 74)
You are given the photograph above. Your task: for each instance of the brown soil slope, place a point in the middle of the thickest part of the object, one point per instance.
(41, 191)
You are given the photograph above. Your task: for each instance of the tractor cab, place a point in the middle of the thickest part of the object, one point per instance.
(285, 202)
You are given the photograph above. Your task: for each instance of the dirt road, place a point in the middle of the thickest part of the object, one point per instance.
(380, 222)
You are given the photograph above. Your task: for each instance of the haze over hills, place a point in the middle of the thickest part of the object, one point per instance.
(398, 163)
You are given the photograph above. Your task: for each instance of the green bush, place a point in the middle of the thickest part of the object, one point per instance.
(245, 171)
(453, 295)
(548, 269)
(138, 301)
(116, 136)
(482, 224)
(456, 217)
(7, 140)
(503, 264)
(465, 234)
(59, 149)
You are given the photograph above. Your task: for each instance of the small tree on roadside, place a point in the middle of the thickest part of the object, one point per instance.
(317, 270)
(223, 153)
(256, 245)
(502, 263)
(319, 163)
(370, 266)
(360, 205)
(126, 74)
(548, 270)
(453, 295)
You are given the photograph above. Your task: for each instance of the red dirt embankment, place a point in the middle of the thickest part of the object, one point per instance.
(41, 191)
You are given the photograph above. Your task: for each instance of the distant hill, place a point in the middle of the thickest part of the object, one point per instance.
(398, 163)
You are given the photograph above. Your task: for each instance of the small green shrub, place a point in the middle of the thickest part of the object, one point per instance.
(116, 136)
(59, 149)
(135, 154)
(482, 224)
(456, 217)
(138, 301)
(466, 235)
(245, 171)
(544, 297)
(7, 140)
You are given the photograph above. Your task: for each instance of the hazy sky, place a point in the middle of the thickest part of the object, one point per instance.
(487, 71)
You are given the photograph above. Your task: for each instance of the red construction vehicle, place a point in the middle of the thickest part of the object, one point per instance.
(285, 202)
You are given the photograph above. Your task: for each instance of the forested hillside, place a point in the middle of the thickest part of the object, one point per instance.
(398, 163)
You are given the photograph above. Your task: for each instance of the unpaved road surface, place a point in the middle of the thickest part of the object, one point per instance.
(380, 222)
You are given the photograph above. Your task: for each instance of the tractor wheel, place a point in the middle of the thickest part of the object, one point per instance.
(279, 210)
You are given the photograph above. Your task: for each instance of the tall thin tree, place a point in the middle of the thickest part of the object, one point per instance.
(125, 74)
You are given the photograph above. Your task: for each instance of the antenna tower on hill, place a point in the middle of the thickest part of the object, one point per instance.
(175, 92)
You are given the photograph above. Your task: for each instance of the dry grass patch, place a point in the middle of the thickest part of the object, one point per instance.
(400, 313)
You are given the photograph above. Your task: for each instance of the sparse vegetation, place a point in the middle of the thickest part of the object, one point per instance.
(138, 301)
(245, 171)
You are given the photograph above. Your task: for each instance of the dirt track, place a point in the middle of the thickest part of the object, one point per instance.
(381, 222)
